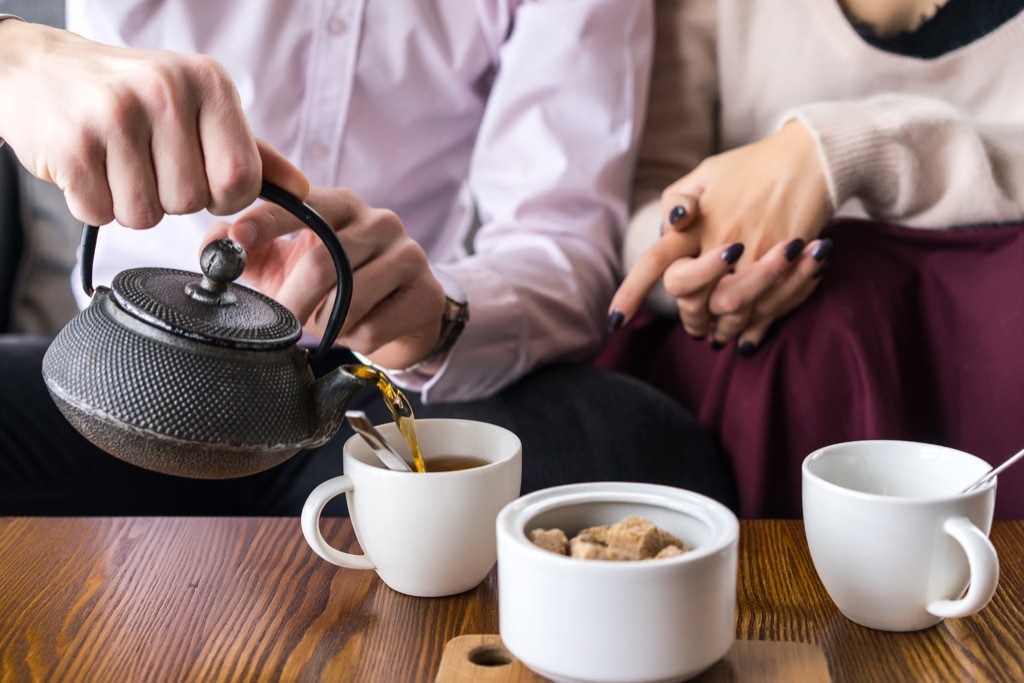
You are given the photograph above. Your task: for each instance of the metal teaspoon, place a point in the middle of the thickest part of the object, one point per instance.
(384, 450)
(993, 472)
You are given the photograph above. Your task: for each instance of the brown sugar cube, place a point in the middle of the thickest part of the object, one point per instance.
(634, 538)
(669, 551)
(668, 540)
(590, 550)
(586, 550)
(550, 539)
(594, 534)
(592, 544)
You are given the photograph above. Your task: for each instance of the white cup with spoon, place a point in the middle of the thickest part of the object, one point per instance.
(896, 539)
(425, 534)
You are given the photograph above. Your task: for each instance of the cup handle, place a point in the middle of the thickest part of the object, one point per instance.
(311, 512)
(984, 570)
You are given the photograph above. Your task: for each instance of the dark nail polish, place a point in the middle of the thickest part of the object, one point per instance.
(747, 348)
(822, 251)
(717, 345)
(677, 214)
(615, 319)
(732, 253)
(793, 249)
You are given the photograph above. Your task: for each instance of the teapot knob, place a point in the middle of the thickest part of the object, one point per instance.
(222, 262)
(202, 290)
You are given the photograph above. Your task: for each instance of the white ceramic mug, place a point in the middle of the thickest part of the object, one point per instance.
(426, 534)
(893, 539)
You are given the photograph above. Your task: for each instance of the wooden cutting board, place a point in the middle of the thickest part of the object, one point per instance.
(483, 659)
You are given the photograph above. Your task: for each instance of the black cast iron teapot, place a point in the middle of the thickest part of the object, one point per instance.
(196, 375)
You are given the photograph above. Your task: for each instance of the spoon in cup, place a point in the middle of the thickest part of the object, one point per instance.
(993, 472)
(384, 450)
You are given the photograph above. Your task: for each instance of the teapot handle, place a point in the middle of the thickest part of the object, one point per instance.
(304, 213)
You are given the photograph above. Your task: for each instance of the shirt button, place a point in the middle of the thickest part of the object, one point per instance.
(318, 150)
(337, 26)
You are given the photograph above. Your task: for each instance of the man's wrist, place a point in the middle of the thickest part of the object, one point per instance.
(453, 320)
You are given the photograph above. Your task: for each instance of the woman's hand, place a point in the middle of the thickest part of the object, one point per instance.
(762, 194)
(757, 206)
(745, 304)
(397, 303)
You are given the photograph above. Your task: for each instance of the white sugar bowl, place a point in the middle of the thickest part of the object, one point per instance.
(600, 621)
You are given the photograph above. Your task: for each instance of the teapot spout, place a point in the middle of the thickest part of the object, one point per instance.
(332, 394)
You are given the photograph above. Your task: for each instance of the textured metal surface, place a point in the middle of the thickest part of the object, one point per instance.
(156, 452)
(182, 407)
(157, 296)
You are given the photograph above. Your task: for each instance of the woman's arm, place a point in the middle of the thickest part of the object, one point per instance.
(918, 160)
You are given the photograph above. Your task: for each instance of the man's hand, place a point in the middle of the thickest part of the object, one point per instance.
(130, 135)
(397, 303)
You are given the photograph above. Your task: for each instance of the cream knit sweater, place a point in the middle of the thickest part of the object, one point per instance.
(926, 143)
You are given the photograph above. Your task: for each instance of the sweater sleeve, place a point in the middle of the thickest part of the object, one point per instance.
(918, 161)
(680, 129)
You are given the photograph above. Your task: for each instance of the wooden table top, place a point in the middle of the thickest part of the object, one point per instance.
(236, 599)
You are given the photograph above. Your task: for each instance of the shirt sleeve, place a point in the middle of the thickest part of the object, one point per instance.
(550, 177)
(918, 161)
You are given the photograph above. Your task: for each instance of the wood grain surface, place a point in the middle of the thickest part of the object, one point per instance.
(484, 659)
(244, 599)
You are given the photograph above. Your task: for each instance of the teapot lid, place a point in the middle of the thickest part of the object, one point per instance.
(210, 308)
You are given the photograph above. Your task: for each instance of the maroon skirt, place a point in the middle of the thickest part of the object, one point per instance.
(912, 334)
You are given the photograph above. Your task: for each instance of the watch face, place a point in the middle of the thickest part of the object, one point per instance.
(455, 311)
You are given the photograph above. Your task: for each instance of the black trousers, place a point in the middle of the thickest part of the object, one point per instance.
(577, 423)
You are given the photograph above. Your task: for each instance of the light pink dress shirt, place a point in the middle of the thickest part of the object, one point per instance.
(521, 115)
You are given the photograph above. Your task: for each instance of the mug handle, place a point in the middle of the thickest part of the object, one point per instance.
(311, 512)
(984, 570)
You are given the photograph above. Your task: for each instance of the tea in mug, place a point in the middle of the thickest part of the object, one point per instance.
(452, 463)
